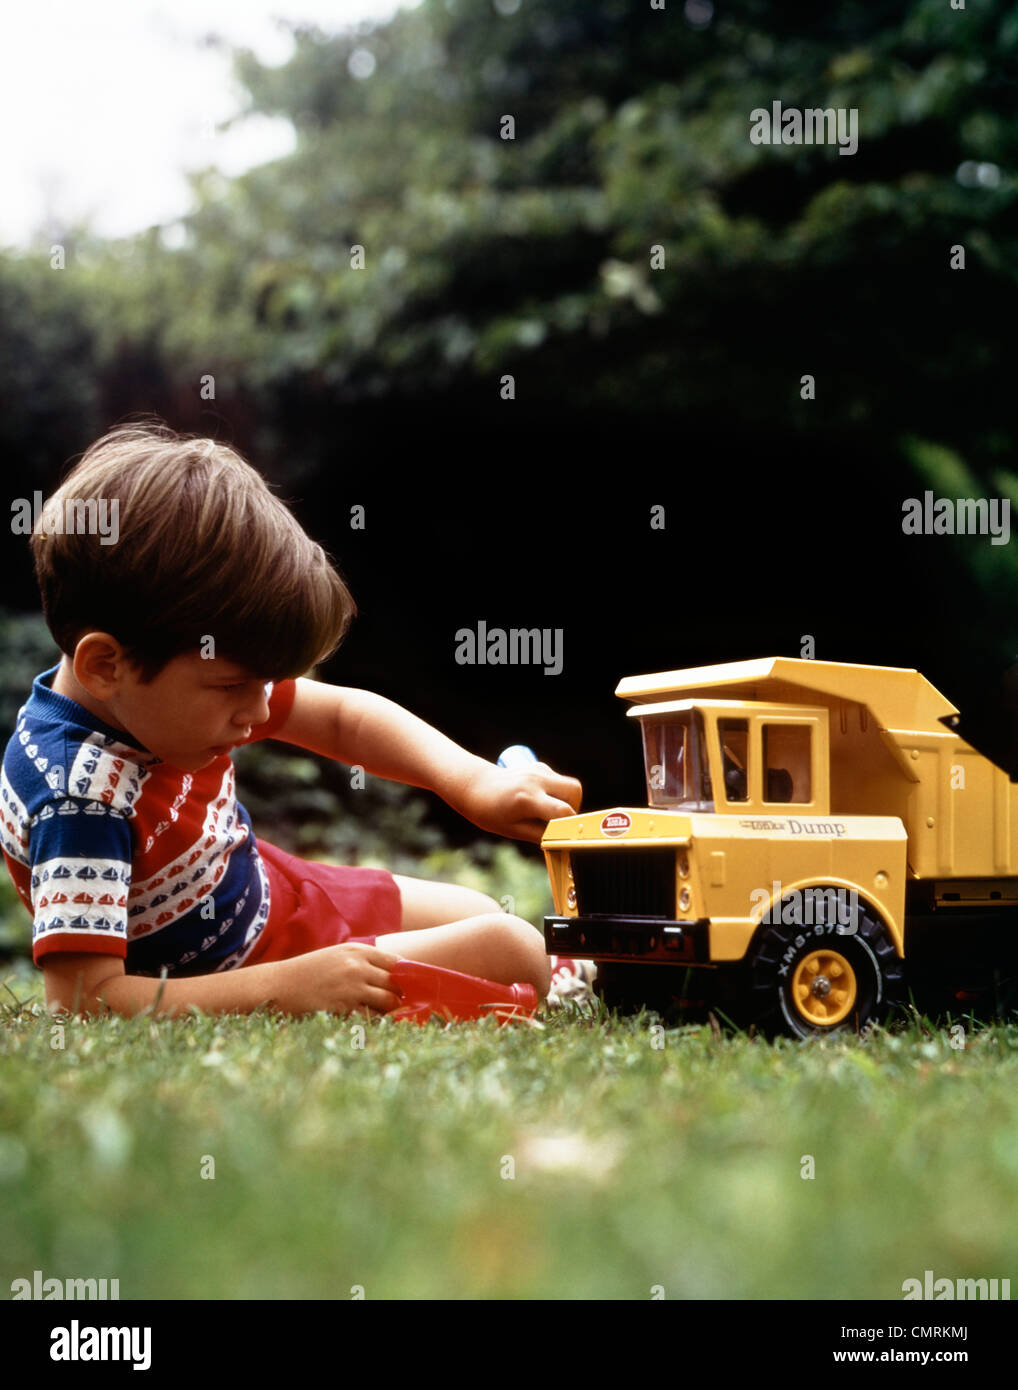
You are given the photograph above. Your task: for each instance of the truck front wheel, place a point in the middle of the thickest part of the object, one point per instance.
(825, 977)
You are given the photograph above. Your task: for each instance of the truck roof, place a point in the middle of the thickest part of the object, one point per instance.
(897, 697)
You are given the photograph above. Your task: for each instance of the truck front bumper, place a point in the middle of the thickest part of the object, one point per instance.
(649, 939)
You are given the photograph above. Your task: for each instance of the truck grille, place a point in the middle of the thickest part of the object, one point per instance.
(624, 882)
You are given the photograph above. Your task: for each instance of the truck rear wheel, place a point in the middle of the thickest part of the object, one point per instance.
(825, 977)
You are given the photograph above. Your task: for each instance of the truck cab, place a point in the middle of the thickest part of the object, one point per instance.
(734, 756)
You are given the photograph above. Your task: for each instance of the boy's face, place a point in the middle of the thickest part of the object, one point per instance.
(193, 711)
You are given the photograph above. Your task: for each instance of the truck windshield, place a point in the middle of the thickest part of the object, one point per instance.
(673, 757)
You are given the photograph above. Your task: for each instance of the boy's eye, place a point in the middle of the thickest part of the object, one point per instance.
(238, 685)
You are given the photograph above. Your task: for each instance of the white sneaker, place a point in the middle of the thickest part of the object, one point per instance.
(571, 980)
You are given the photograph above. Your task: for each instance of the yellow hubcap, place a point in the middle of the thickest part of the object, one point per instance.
(824, 988)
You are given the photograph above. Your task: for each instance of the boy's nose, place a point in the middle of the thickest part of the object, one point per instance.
(257, 711)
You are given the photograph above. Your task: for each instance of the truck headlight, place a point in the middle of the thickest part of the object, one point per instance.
(685, 898)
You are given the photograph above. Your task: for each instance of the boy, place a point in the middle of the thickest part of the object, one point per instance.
(120, 828)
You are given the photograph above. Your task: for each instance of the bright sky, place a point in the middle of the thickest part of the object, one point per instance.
(104, 102)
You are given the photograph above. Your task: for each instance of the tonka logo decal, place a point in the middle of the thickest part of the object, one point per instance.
(615, 823)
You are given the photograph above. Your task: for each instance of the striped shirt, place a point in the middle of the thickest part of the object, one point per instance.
(116, 852)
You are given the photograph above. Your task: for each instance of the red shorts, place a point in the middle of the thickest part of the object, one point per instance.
(314, 905)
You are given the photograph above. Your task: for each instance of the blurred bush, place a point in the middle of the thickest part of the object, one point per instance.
(15, 922)
(26, 648)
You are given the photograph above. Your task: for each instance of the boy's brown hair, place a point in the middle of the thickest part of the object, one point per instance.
(204, 550)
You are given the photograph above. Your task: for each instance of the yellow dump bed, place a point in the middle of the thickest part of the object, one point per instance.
(897, 697)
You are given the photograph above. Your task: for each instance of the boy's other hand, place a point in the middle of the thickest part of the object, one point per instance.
(352, 978)
(518, 803)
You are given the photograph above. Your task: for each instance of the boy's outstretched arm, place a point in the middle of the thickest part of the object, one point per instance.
(360, 728)
(337, 979)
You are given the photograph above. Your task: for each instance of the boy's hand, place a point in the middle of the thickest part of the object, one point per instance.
(351, 978)
(518, 803)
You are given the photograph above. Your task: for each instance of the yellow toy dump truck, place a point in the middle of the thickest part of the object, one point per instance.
(817, 838)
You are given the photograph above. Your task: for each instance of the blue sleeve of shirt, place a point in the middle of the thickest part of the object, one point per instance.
(80, 853)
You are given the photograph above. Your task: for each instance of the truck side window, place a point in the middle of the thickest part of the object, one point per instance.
(734, 735)
(786, 757)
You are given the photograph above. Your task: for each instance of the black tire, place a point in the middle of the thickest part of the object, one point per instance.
(875, 971)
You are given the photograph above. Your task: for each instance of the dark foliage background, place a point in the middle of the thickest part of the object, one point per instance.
(635, 386)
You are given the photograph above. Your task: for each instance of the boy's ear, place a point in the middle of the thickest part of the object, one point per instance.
(99, 664)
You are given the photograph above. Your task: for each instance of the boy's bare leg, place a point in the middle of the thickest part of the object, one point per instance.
(427, 904)
(495, 946)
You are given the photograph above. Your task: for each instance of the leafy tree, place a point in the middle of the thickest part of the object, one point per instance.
(536, 256)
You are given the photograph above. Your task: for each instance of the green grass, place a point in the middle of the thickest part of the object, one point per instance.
(635, 1164)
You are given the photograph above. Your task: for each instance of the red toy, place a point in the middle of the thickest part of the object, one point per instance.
(429, 989)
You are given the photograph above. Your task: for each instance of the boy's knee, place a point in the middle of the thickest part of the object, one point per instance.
(485, 904)
(523, 946)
